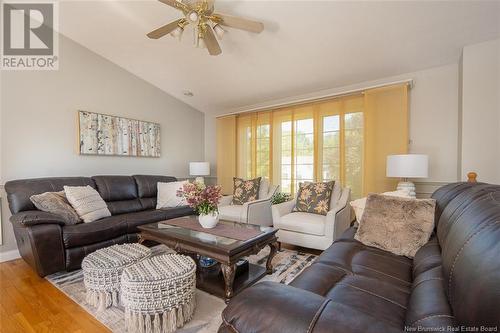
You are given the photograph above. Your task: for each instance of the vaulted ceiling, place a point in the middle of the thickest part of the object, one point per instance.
(306, 45)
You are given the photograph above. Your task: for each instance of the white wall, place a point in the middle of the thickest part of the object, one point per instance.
(480, 123)
(433, 118)
(38, 121)
(210, 143)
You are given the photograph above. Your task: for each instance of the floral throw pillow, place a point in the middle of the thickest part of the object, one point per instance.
(314, 197)
(245, 190)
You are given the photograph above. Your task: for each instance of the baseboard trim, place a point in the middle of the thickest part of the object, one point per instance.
(9, 255)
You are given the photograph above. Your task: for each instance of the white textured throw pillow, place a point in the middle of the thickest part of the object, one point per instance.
(359, 204)
(87, 202)
(167, 195)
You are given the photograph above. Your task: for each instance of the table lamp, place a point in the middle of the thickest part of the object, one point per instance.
(199, 169)
(407, 166)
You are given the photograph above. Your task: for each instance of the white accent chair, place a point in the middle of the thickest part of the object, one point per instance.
(253, 212)
(313, 230)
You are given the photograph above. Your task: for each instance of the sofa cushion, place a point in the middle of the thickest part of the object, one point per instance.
(20, 191)
(359, 205)
(114, 188)
(307, 223)
(357, 258)
(147, 184)
(428, 305)
(235, 213)
(87, 202)
(125, 206)
(172, 213)
(314, 197)
(264, 188)
(245, 190)
(371, 295)
(133, 220)
(56, 203)
(97, 231)
(168, 195)
(428, 257)
(395, 224)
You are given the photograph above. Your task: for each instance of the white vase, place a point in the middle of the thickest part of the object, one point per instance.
(209, 221)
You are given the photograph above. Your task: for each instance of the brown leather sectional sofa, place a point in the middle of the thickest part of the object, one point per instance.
(49, 246)
(452, 284)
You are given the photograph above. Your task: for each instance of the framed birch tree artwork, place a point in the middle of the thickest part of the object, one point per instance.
(101, 134)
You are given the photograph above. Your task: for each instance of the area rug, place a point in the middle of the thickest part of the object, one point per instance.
(207, 318)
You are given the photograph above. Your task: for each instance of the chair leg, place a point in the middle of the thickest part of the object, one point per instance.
(279, 246)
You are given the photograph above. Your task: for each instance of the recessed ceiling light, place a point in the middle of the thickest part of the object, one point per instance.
(188, 93)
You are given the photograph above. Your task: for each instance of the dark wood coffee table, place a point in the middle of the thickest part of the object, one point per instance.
(222, 280)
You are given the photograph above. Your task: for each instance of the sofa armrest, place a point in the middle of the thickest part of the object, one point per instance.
(225, 200)
(285, 309)
(280, 210)
(35, 217)
(259, 212)
(39, 240)
(338, 219)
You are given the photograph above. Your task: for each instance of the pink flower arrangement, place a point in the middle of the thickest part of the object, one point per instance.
(203, 199)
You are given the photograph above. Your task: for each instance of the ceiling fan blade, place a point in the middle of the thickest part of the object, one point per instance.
(166, 29)
(211, 42)
(176, 4)
(239, 23)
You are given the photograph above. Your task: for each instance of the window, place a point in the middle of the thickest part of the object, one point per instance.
(263, 149)
(304, 151)
(346, 139)
(353, 151)
(321, 142)
(331, 148)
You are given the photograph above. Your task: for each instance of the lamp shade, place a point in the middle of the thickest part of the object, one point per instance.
(407, 166)
(199, 168)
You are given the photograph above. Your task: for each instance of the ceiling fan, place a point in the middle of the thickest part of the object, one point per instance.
(207, 24)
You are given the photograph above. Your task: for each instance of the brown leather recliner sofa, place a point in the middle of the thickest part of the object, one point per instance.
(49, 246)
(452, 284)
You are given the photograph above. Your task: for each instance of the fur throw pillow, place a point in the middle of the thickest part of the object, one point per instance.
(395, 224)
(359, 204)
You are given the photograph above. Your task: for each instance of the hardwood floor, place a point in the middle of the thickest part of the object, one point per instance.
(29, 303)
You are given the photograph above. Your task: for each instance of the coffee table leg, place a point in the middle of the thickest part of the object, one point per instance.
(272, 253)
(228, 271)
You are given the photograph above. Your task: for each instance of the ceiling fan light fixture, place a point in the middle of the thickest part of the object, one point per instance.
(193, 16)
(201, 43)
(177, 32)
(219, 31)
(207, 25)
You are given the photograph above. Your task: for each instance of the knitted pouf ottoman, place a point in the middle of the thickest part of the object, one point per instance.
(102, 272)
(159, 293)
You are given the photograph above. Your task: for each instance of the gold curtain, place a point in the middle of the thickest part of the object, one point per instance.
(346, 139)
(386, 133)
(226, 152)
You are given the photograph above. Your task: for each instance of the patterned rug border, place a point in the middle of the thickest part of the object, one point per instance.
(287, 264)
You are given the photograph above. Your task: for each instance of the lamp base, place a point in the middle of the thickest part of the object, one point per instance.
(406, 185)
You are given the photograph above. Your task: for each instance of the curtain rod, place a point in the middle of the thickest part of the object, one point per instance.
(300, 101)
